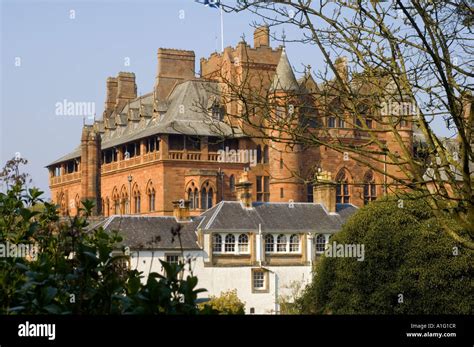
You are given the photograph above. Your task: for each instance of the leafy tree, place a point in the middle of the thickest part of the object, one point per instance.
(410, 266)
(226, 303)
(391, 67)
(74, 270)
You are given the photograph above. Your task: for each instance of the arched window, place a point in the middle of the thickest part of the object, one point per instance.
(204, 198)
(191, 198)
(116, 201)
(137, 201)
(243, 243)
(217, 243)
(269, 244)
(209, 198)
(294, 243)
(229, 245)
(370, 189)
(259, 154)
(320, 243)
(124, 203)
(281, 243)
(342, 188)
(265, 154)
(151, 200)
(232, 183)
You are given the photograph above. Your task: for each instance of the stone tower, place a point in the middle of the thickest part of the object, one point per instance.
(285, 158)
(90, 167)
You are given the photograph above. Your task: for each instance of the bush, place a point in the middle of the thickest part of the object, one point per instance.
(74, 271)
(411, 266)
(227, 303)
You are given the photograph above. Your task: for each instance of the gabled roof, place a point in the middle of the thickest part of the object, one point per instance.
(275, 217)
(284, 77)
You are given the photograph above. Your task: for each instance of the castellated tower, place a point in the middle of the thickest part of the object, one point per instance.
(285, 157)
(90, 167)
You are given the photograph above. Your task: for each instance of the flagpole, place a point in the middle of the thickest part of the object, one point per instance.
(222, 29)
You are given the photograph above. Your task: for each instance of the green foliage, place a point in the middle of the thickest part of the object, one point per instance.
(226, 303)
(407, 253)
(288, 302)
(75, 271)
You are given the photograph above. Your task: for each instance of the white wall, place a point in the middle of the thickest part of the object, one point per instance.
(218, 279)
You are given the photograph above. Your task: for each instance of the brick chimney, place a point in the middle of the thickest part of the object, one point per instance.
(126, 90)
(181, 211)
(261, 36)
(111, 97)
(90, 167)
(324, 191)
(174, 66)
(341, 67)
(244, 190)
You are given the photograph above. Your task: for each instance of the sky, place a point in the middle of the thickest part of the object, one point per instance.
(59, 50)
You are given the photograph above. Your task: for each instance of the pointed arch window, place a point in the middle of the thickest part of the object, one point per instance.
(232, 183)
(342, 188)
(137, 201)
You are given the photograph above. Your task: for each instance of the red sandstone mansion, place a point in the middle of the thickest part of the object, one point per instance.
(149, 151)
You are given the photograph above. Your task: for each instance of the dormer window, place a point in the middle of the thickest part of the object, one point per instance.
(217, 112)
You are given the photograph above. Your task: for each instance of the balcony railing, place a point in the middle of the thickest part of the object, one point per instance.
(65, 178)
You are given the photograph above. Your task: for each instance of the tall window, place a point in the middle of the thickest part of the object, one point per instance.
(341, 123)
(269, 244)
(342, 188)
(309, 193)
(320, 243)
(243, 243)
(263, 188)
(229, 245)
(294, 243)
(232, 183)
(259, 154)
(137, 201)
(281, 243)
(217, 243)
(151, 200)
(370, 189)
(206, 198)
(265, 154)
(331, 122)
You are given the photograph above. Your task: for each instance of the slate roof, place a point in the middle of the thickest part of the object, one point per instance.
(275, 217)
(182, 114)
(140, 232)
(284, 77)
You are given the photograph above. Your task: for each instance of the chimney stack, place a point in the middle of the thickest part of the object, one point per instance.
(174, 66)
(126, 90)
(324, 191)
(181, 211)
(261, 36)
(244, 191)
(111, 97)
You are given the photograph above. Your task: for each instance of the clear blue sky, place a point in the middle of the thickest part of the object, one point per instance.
(64, 58)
